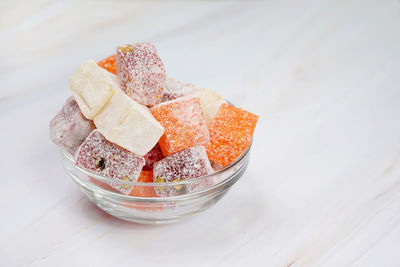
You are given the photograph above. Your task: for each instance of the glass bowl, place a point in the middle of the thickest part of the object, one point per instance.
(189, 197)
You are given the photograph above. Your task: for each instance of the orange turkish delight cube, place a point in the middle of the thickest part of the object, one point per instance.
(144, 191)
(109, 63)
(145, 177)
(231, 132)
(183, 122)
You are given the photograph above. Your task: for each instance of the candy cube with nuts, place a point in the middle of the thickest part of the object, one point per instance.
(104, 158)
(187, 164)
(141, 73)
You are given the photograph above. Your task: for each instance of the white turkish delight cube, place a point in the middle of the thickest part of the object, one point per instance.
(210, 102)
(128, 124)
(92, 87)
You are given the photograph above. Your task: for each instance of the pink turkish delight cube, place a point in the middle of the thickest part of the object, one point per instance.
(141, 73)
(104, 158)
(69, 128)
(174, 89)
(185, 165)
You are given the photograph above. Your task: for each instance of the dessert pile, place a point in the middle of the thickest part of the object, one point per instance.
(127, 121)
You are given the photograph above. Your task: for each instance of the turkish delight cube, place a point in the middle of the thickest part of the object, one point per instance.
(183, 122)
(146, 176)
(92, 87)
(109, 64)
(174, 89)
(128, 124)
(187, 164)
(141, 72)
(152, 156)
(210, 102)
(231, 133)
(144, 191)
(102, 184)
(69, 128)
(104, 158)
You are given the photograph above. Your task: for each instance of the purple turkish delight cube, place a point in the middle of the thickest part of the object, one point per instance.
(174, 89)
(141, 73)
(185, 165)
(69, 128)
(104, 158)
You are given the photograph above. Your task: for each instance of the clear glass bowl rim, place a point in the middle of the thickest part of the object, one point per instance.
(120, 196)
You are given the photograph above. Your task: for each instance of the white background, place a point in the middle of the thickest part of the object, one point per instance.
(323, 184)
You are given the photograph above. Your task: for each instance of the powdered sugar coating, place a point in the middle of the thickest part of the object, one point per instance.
(231, 132)
(99, 155)
(183, 122)
(155, 154)
(69, 128)
(174, 89)
(141, 73)
(188, 164)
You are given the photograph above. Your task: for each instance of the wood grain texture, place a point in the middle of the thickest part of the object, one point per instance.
(323, 184)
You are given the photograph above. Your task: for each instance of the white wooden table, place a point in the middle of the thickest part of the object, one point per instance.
(323, 184)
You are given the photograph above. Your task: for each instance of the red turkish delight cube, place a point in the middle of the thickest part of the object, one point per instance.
(155, 154)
